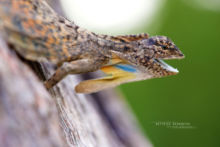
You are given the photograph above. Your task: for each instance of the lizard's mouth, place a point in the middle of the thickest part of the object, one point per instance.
(166, 66)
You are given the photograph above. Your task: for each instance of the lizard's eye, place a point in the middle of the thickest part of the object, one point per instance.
(164, 47)
(150, 41)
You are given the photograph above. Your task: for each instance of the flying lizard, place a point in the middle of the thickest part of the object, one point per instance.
(38, 33)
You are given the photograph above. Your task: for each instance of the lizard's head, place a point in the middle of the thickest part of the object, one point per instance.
(161, 47)
(147, 54)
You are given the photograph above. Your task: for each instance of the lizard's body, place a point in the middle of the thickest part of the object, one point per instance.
(39, 34)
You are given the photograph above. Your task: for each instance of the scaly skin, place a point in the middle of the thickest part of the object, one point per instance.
(39, 34)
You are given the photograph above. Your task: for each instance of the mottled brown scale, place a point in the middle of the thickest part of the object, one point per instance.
(128, 38)
(39, 34)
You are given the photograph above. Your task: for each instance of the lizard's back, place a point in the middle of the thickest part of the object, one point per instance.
(37, 32)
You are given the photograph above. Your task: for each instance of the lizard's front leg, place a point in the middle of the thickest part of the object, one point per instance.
(74, 67)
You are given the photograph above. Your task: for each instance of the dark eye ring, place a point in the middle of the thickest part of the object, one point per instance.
(164, 46)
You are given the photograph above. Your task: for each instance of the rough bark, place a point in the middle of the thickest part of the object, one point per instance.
(32, 116)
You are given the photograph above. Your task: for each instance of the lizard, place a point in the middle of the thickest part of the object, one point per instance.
(38, 33)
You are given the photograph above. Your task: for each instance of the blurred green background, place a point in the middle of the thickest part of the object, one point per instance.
(193, 96)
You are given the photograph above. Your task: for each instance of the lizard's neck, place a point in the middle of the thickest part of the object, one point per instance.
(109, 42)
